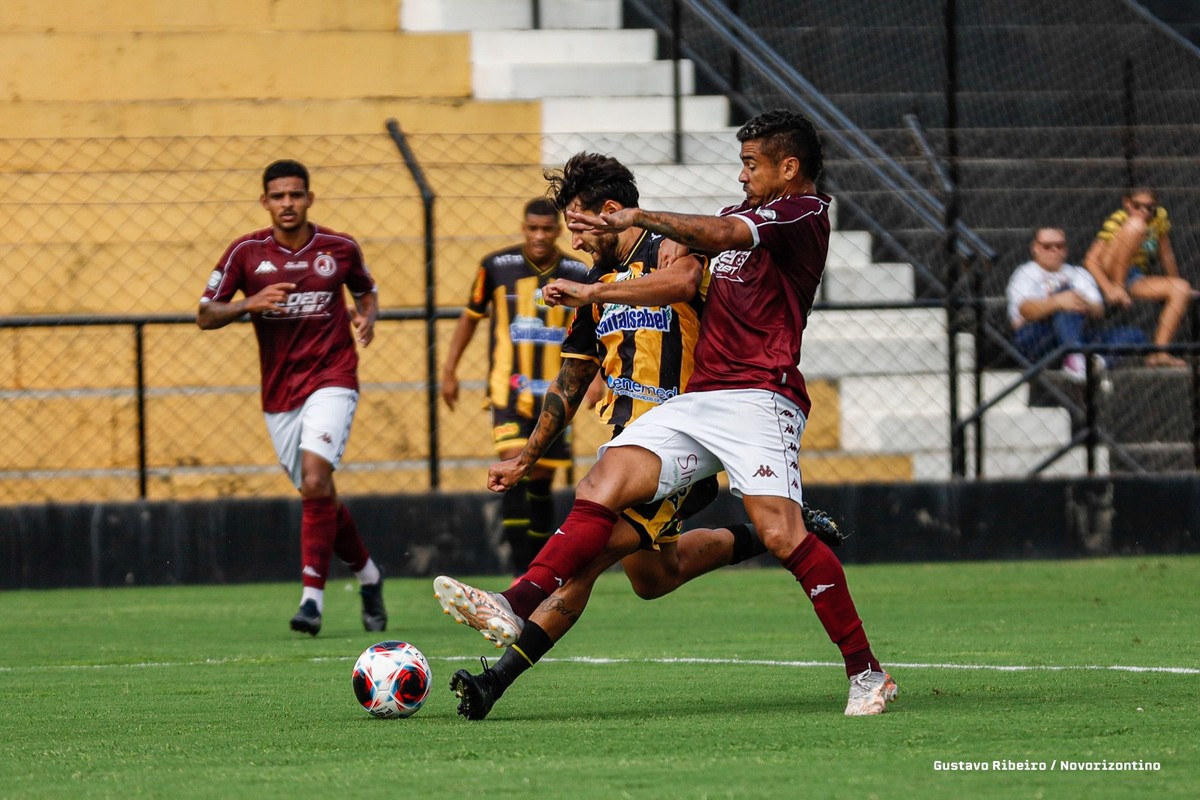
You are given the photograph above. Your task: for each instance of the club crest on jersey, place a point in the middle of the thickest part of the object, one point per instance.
(325, 265)
(264, 266)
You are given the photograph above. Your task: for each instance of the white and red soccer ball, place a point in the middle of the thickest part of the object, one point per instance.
(391, 680)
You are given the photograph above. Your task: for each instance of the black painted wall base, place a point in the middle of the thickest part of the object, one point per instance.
(231, 541)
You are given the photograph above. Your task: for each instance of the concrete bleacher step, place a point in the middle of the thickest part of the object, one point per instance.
(1000, 462)
(106, 16)
(173, 66)
(632, 114)
(618, 48)
(482, 15)
(867, 395)
(565, 63)
(716, 147)
(688, 189)
(840, 344)
(1157, 457)
(1162, 413)
(579, 79)
(863, 283)
(132, 119)
(917, 430)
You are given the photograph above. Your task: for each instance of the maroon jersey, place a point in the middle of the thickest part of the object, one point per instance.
(759, 299)
(307, 345)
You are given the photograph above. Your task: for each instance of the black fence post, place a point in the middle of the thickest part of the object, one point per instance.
(677, 78)
(431, 364)
(140, 379)
(958, 448)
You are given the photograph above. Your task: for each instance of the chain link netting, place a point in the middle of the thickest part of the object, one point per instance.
(1051, 112)
(1048, 133)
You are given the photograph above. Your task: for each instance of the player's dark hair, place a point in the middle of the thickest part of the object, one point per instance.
(592, 178)
(541, 207)
(285, 168)
(785, 133)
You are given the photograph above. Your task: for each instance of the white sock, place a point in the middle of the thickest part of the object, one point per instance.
(312, 593)
(368, 574)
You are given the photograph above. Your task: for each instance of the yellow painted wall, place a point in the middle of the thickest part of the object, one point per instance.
(222, 66)
(96, 16)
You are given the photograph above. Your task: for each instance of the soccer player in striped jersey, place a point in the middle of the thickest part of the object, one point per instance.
(524, 341)
(292, 277)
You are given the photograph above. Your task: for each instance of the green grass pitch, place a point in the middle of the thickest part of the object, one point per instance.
(728, 688)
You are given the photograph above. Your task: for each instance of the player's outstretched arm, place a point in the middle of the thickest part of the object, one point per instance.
(677, 282)
(563, 399)
(697, 231)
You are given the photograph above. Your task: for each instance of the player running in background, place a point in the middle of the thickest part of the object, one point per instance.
(291, 276)
(645, 354)
(523, 353)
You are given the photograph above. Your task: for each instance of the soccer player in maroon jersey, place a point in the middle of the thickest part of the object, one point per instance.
(291, 276)
(744, 409)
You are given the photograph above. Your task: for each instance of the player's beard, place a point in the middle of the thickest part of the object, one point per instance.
(604, 257)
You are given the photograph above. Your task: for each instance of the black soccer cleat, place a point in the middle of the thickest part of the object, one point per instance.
(476, 693)
(374, 615)
(823, 527)
(307, 619)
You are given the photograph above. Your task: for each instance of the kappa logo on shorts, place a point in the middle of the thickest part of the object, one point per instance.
(765, 472)
(326, 438)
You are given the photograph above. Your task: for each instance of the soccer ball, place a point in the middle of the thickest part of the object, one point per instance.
(391, 680)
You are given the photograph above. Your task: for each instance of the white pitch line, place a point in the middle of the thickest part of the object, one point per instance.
(749, 662)
(888, 665)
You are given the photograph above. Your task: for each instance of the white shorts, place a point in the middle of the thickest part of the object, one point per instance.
(320, 426)
(753, 434)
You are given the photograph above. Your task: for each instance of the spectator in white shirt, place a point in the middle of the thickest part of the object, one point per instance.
(1052, 303)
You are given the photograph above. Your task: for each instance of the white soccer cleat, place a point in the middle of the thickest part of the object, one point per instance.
(487, 612)
(870, 692)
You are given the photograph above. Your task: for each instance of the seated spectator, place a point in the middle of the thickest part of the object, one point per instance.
(1133, 241)
(1052, 303)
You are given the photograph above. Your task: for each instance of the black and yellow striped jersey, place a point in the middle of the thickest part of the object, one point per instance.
(526, 336)
(1147, 254)
(644, 352)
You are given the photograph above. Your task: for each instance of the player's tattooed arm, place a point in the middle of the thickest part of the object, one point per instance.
(697, 231)
(704, 233)
(563, 399)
